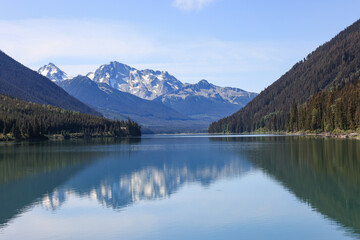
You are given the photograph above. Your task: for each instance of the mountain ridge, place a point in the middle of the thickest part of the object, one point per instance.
(18, 81)
(147, 84)
(202, 101)
(205, 100)
(114, 104)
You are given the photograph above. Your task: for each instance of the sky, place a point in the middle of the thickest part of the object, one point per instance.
(247, 44)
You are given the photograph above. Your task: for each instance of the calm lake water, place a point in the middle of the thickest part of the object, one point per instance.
(181, 187)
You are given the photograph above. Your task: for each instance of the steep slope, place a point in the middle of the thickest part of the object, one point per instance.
(53, 73)
(206, 101)
(117, 104)
(326, 111)
(147, 84)
(330, 65)
(19, 81)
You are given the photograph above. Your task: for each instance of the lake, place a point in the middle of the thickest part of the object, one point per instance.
(181, 187)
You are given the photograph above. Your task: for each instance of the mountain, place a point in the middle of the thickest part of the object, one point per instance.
(18, 81)
(155, 99)
(53, 73)
(147, 84)
(329, 66)
(204, 100)
(178, 108)
(120, 105)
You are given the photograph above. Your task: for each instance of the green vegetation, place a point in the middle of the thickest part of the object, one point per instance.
(331, 66)
(25, 120)
(336, 110)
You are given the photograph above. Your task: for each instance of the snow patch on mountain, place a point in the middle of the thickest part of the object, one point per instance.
(147, 84)
(150, 84)
(53, 73)
(205, 89)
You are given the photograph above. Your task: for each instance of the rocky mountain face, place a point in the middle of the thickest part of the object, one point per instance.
(192, 104)
(147, 84)
(113, 103)
(204, 100)
(53, 73)
(208, 90)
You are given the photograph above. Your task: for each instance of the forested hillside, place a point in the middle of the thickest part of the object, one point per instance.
(25, 120)
(330, 66)
(336, 109)
(18, 81)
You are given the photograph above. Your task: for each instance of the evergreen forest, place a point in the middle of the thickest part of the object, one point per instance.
(25, 120)
(320, 76)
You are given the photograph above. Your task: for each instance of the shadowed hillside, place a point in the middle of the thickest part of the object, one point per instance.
(18, 81)
(331, 65)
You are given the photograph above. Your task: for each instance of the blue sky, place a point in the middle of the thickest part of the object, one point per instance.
(245, 44)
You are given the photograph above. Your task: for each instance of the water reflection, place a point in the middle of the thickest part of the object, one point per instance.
(112, 173)
(325, 173)
(31, 170)
(121, 179)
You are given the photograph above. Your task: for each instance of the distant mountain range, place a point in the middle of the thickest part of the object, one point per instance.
(331, 66)
(18, 81)
(204, 100)
(156, 99)
(113, 103)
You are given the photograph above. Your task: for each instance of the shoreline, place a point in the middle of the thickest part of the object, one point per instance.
(58, 137)
(353, 135)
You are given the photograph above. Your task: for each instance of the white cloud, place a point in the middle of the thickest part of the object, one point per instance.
(32, 41)
(191, 4)
(80, 46)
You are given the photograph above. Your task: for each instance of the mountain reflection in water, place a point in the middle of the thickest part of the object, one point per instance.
(323, 173)
(115, 174)
(121, 179)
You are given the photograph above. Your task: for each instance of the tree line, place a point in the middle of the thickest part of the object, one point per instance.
(335, 109)
(26, 120)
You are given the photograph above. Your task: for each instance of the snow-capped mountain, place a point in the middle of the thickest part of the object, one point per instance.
(113, 103)
(204, 100)
(53, 73)
(147, 84)
(187, 106)
(205, 89)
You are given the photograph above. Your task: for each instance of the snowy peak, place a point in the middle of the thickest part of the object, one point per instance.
(207, 90)
(113, 73)
(52, 72)
(151, 84)
(147, 84)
